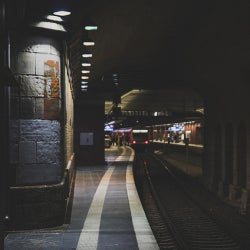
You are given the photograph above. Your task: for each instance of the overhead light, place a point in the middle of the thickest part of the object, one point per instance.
(88, 43)
(86, 64)
(85, 71)
(115, 78)
(54, 18)
(62, 13)
(90, 27)
(85, 77)
(87, 55)
(84, 87)
(84, 82)
(61, 7)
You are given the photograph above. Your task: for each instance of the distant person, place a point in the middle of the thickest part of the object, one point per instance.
(112, 139)
(169, 139)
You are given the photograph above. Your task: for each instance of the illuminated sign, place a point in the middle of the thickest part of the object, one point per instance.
(140, 130)
(109, 128)
(176, 128)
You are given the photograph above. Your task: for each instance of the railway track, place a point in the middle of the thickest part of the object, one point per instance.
(177, 219)
(163, 231)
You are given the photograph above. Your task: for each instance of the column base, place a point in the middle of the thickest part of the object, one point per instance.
(234, 193)
(245, 201)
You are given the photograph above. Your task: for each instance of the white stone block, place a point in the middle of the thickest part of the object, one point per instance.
(40, 62)
(32, 86)
(23, 63)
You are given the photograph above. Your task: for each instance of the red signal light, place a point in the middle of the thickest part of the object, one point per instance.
(134, 142)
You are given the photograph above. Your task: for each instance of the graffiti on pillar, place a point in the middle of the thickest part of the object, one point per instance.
(51, 90)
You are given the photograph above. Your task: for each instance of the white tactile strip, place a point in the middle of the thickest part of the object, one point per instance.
(144, 236)
(90, 232)
(143, 232)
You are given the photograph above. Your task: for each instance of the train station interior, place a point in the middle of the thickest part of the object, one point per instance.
(75, 73)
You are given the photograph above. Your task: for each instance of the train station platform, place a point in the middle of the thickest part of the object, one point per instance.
(106, 212)
(186, 159)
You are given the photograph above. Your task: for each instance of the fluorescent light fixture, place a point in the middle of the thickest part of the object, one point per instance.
(86, 55)
(86, 64)
(84, 82)
(88, 43)
(85, 77)
(85, 71)
(62, 13)
(90, 27)
(84, 87)
(54, 18)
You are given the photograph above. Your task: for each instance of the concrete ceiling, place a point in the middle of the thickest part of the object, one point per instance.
(148, 44)
(141, 41)
(167, 100)
(160, 106)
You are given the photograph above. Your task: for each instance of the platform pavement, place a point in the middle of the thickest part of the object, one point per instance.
(106, 213)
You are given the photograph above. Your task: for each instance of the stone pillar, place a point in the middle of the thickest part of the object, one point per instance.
(207, 165)
(248, 155)
(36, 149)
(39, 189)
(234, 188)
(245, 202)
(245, 197)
